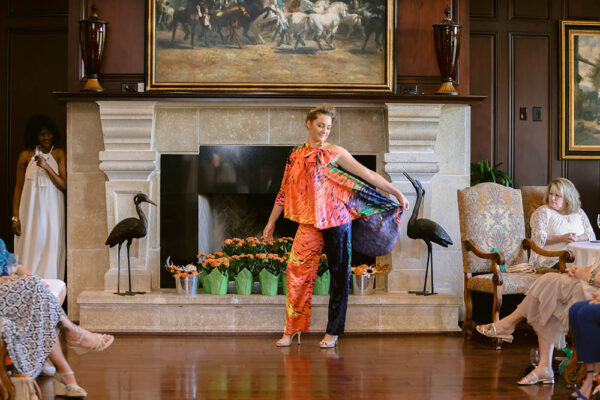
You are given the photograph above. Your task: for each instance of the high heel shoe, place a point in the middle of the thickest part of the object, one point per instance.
(101, 342)
(67, 390)
(328, 345)
(533, 379)
(288, 342)
(489, 330)
(578, 394)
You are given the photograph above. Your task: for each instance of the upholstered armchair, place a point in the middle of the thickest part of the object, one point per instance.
(533, 197)
(7, 390)
(491, 217)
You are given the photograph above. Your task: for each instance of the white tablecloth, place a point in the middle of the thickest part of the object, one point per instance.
(585, 252)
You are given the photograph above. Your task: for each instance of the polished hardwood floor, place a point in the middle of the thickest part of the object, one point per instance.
(415, 366)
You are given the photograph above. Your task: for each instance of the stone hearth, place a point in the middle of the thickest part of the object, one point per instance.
(114, 150)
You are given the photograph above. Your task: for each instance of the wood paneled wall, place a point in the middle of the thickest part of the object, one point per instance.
(33, 49)
(514, 61)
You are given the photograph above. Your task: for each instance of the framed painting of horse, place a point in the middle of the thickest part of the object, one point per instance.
(580, 89)
(267, 46)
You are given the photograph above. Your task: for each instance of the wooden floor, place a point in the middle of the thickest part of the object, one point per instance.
(251, 367)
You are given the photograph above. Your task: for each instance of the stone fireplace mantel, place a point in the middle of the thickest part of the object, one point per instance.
(114, 149)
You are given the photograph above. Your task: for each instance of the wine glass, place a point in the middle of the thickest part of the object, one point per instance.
(534, 356)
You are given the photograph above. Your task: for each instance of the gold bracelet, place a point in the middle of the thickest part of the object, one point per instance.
(14, 219)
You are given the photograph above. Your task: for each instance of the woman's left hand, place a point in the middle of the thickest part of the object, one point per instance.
(41, 162)
(403, 201)
(581, 273)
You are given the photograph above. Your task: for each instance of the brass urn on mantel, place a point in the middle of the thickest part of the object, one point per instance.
(446, 37)
(92, 36)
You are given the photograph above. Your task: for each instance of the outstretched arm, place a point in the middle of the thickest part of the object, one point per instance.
(349, 163)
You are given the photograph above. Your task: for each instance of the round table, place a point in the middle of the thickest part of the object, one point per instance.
(585, 252)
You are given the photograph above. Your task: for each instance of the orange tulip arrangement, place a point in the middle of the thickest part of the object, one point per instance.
(180, 271)
(369, 270)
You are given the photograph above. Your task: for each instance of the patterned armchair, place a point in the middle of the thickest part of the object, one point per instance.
(491, 216)
(533, 197)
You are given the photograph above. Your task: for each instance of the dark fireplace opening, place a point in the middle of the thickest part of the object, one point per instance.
(223, 192)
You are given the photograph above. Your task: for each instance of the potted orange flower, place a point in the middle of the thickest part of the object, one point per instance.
(186, 277)
(270, 267)
(241, 267)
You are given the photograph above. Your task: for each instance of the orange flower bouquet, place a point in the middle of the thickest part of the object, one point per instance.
(186, 277)
(215, 272)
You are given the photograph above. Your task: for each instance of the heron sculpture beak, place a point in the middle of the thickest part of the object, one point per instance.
(151, 202)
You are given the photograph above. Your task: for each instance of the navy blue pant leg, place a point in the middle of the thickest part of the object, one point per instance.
(339, 256)
(585, 319)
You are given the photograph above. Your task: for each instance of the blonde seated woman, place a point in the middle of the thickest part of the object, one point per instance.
(557, 223)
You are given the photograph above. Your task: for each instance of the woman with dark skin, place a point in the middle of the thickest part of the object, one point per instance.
(38, 200)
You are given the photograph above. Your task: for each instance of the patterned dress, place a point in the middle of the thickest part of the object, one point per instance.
(29, 314)
(325, 201)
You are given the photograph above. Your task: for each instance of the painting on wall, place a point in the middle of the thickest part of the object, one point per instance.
(580, 89)
(271, 45)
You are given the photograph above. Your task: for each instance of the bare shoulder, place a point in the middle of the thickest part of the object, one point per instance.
(337, 149)
(58, 152)
(25, 156)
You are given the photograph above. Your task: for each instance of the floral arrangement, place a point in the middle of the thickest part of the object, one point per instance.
(180, 271)
(274, 263)
(370, 270)
(209, 262)
(253, 245)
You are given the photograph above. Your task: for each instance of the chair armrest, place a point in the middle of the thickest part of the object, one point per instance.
(564, 256)
(496, 258)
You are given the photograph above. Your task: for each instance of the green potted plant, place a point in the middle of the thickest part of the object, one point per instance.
(241, 267)
(270, 267)
(216, 268)
(483, 171)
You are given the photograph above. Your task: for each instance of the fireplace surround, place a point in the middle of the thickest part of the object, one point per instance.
(114, 150)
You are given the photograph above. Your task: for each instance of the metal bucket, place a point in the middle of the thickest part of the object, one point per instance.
(187, 285)
(363, 284)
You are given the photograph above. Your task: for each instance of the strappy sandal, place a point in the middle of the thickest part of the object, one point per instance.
(489, 330)
(101, 342)
(532, 379)
(67, 389)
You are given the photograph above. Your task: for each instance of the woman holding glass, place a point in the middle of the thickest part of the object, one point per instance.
(324, 200)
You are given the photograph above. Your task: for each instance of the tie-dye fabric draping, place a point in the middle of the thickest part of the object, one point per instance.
(7, 260)
(325, 200)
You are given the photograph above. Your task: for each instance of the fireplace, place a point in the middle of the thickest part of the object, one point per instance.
(118, 148)
(222, 192)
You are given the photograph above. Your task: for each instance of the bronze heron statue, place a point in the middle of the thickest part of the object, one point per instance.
(127, 230)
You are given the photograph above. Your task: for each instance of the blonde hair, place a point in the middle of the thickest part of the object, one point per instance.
(322, 109)
(567, 191)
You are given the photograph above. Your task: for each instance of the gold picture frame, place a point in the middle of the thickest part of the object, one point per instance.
(579, 90)
(224, 56)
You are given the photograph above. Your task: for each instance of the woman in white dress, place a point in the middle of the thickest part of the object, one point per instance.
(38, 202)
(546, 306)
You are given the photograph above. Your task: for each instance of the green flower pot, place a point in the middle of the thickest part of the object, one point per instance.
(283, 277)
(205, 282)
(218, 282)
(243, 282)
(268, 282)
(322, 284)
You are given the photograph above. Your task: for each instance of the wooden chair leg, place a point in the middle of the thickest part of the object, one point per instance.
(496, 311)
(468, 324)
(7, 390)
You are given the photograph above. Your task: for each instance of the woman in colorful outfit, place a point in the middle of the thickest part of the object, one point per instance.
(38, 202)
(29, 319)
(324, 201)
(584, 318)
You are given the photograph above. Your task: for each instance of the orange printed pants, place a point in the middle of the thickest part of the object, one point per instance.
(301, 273)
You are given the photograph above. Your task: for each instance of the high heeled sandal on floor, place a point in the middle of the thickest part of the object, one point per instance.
(489, 330)
(101, 342)
(578, 394)
(532, 379)
(67, 390)
(288, 342)
(328, 345)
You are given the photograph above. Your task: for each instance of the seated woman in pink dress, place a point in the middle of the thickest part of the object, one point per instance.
(546, 306)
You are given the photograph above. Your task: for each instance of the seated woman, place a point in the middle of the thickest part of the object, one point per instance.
(585, 323)
(29, 316)
(558, 222)
(546, 309)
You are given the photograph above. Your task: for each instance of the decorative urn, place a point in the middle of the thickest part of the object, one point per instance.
(92, 36)
(446, 37)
